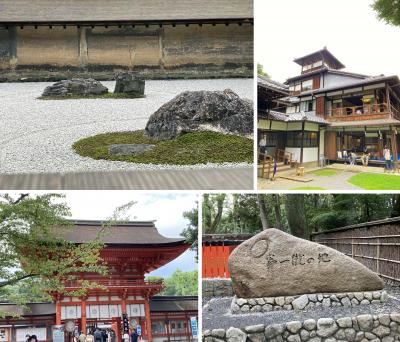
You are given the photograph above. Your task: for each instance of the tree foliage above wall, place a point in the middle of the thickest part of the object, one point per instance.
(299, 214)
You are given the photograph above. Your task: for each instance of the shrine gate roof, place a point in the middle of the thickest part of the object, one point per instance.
(132, 234)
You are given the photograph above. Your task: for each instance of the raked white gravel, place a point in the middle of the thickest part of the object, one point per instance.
(37, 135)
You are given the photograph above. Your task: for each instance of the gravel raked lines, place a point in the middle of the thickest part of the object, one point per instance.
(37, 135)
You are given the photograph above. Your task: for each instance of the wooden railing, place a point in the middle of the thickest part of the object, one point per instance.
(266, 162)
(395, 111)
(118, 283)
(378, 108)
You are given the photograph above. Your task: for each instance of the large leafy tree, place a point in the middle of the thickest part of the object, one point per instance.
(179, 283)
(260, 71)
(388, 11)
(35, 260)
(191, 232)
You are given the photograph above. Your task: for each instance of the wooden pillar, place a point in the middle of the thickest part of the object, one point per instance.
(394, 145)
(123, 304)
(83, 315)
(302, 142)
(167, 327)
(12, 37)
(148, 319)
(58, 312)
(318, 153)
(388, 99)
(161, 35)
(83, 47)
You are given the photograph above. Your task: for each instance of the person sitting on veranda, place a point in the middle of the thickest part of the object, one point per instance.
(365, 157)
(352, 158)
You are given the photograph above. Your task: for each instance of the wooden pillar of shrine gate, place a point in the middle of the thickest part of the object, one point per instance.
(148, 319)
(58, 312)
(83, 315)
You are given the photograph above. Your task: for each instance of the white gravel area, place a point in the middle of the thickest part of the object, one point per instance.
(37, 135)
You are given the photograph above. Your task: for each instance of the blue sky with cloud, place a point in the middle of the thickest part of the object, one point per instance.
(165, 208)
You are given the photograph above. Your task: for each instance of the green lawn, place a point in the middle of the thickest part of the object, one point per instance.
(324, 172)
(309, 188)
(187, 149)
(373, 181)
(100, 96)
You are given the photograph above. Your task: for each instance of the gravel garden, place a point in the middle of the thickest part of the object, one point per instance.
(71, 135)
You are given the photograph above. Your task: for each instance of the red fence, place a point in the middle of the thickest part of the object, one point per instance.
(374, 244)
(216, 250)
(215, 261)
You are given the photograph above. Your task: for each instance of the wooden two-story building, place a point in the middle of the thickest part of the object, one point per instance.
(132, 249)
(329, 112)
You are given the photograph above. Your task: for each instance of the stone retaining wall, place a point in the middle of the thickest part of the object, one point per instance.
(217, 287)
(374, 328)
(306, 301)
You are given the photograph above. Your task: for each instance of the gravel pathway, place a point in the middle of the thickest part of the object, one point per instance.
(216, 313)
(37, 135)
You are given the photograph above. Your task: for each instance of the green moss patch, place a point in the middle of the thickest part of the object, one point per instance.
(374, 181)
(324, 172)
(187, 149)
(309, 188)
(100, 96)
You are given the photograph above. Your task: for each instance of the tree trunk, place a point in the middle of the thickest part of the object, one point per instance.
(295, 214)
(277, 208)
(206, 214)
(218, 216)
(263, 211)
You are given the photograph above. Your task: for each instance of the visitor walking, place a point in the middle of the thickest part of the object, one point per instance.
(112, 335)
(134, 336)
(89, 337)
(352, 158)
(388, 158)
(125, 337)
(82, 337)
(98, 336)
(104, 335)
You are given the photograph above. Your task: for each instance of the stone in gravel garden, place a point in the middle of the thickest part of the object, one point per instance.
(129, 149)
(127, 82)
(193, 111)
(305, 267)
(75, 86)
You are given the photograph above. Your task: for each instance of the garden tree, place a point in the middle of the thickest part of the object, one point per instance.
(395, 205)
(388, 11)
(276, 202)
(191, 232)
(34, 258)
(296, 216)
(213, 206)
(263, 210)
(179, 283)
(260, 71)
(241, 213)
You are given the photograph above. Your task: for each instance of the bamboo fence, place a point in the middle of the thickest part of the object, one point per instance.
(374, 244)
